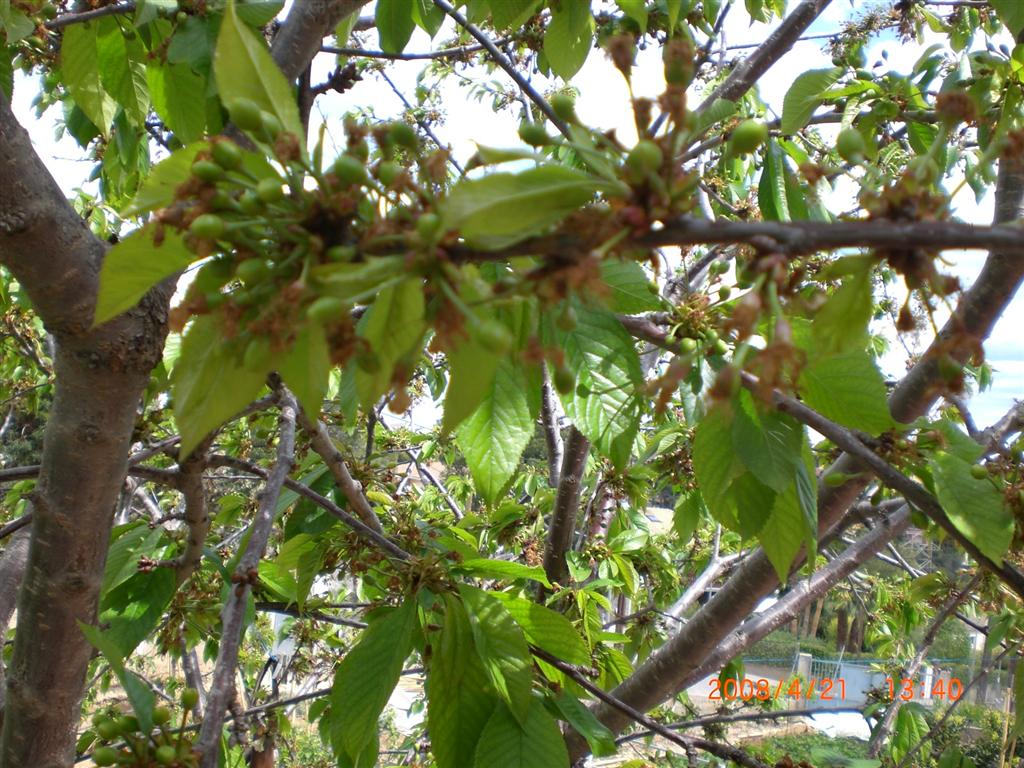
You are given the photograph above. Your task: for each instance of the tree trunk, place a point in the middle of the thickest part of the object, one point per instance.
(812, 631)
(12, 568)
(842, 629)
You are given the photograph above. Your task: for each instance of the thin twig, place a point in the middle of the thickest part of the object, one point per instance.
(245, 576)
(502, 61)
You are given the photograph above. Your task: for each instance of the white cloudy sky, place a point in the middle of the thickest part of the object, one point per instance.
(604, 102)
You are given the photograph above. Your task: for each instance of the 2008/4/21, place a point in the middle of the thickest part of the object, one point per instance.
(747, 689)
(904, 688)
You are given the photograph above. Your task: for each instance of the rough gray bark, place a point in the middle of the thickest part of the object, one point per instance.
(665, 671)
(100, 375)
(567, 502)
(12, 568)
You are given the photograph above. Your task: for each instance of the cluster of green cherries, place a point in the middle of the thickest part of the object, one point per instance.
(271, 233)
(123, 743)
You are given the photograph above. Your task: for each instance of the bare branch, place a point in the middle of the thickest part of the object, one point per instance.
(724, 751)
(286, 609)
(303, 31)
(778, 43)
(324, 446)
(233, 614)
(196, 516)
(66, 19)
(362, 529)
(444, 53)
(913, 492)
(552, 432)
(502, 61)
(567, 502)
(909, 669)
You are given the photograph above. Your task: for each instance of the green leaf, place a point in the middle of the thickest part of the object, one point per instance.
(841, 325)
(631, 289)
(134, 609)
(356, 281)
(427, 16)
(635, 10)
(715, 463)
(393, 326)
(209, 384)
(502, 648)
(140, 695)
(6, 72)
(178, 92)
(753, 502)
(1018, 692)
(605, 404)
(569, 37)
(395, 24)
(600, 740)
(244, 70)
(771, 189)
(532, 741)
(135, 265)
(784, 531)
(804, 96)
(495, 435)
(688, 512)
(258, 13)
(306, 367)
(158, 188)
(122, 70)
(473, 367)
(504, 208)
(767, 442)
(367, 676)
(547, 629)
(505, 570)
(460, 699)
(719, 110)
(848, 389)
(1011, 13)
(511, 14)
(974, 506)
(79, 55)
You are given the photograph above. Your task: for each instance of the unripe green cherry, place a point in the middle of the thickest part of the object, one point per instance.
(564, 380)
(209, 226)
(269, 190)
(207, 171)
(189, 699)
(166, 754)
(494, 336)
(646, 157)
(161, 715)
(342, 252)
(978, 472)
(687, 344)
(270, 126)
(534, 134)
(428, 225)
(107, 729)
(252, 271)
(245, 113)
(250, 202)
(403, 135)
(327, 309)
(748, 136)
(103, 756)
(850, 145)
(227, 155)
(349, 170)
(388, 173)
(564, 106)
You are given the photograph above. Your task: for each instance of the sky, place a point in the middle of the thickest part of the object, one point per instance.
(604, 102)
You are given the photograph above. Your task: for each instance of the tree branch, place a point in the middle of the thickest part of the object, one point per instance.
(567, 502)
(723, 751)
(244, 577)
(303, 31)
(552, 432)
(913, 492)
(778, 43)
(324, 446)
(909, 669)
(502, 61)
(190, 483)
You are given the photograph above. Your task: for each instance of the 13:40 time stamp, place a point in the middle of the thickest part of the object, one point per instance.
(826, 689)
